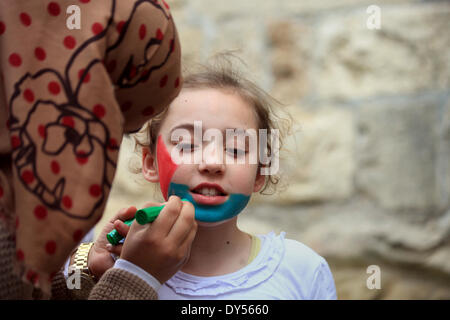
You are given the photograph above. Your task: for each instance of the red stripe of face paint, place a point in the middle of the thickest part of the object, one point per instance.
(166, 167)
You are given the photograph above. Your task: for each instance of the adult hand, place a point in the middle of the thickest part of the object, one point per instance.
(100, 258)
(161, 248)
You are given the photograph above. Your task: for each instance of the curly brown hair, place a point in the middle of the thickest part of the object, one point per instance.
(223, 76)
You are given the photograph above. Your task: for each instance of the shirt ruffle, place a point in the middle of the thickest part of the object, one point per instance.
(258, 271)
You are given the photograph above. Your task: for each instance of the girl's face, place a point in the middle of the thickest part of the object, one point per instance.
(216, 176)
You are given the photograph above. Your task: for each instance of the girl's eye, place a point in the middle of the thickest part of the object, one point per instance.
(186, 146)
(236, 152)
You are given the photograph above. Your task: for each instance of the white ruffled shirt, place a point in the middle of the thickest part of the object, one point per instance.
(283, 269)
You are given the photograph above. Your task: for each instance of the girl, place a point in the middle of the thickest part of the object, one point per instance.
(218, 177)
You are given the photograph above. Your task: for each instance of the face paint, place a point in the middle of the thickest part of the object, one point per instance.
(235, 203)
(166, 167)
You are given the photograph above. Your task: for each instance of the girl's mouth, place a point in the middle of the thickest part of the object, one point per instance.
(208, 194)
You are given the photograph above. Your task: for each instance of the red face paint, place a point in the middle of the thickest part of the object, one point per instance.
(166, 167)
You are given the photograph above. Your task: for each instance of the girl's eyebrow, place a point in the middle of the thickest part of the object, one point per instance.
(190, 127)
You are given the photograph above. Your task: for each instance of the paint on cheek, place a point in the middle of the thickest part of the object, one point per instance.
(205, 213)
(212, 213)
(166, 167)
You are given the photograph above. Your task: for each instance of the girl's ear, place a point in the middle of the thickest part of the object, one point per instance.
(259, 181)
(149, 169)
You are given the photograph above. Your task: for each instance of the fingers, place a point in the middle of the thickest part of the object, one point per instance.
(184, 224)
(117, 249)
(153, 204)
(121, 228)
(169, 214)
(124, 214)
(187, 243)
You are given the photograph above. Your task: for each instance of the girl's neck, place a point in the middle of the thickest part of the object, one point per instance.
(218, 250)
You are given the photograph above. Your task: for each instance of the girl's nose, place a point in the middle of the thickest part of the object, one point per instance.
(212, 161)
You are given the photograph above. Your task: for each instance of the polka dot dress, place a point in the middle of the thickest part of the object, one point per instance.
(66, 98)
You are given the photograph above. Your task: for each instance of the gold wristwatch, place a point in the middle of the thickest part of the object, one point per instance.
(80, 269)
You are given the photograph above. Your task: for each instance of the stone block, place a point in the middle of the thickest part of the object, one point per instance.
(396, 152)
(317, 162)
(409, 53)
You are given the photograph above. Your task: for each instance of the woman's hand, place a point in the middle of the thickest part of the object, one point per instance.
(162, 247)
(100, 258)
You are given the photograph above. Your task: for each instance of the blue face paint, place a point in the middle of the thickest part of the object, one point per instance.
(212, 213)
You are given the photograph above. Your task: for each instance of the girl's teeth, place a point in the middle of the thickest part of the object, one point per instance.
(209, 191)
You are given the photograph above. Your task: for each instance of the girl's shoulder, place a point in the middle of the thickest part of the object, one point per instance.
(306, 269)
(294, 252)
(300, 254)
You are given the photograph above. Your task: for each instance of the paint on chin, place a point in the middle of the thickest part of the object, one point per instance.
(205, 213)
(212, 213)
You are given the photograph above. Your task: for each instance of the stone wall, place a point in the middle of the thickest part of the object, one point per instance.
(366, 171)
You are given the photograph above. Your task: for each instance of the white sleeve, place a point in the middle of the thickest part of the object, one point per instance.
(137, 271)
(323, 287)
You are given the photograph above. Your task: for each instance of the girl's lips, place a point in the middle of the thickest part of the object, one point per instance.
(208, 200)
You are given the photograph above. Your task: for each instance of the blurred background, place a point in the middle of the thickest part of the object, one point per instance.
(366, 171)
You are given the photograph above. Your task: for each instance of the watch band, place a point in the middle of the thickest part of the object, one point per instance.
(81, 258)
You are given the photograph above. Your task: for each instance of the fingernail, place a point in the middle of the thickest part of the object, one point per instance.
(109, 247)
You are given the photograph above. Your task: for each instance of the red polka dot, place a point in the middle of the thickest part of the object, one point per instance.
(97, 28)
(113, 145)
(56, 168)
(70, 42)
(41, 131)
(28, 176)
(50, 247)
(28, 95)
(159, 34)
(77, 235)
(120, 26)
(15, 60)
(54, 87)
(142, 31)
(163, 81)
(166, 5)
(40, 53)
(53, 9)
(148, 111)
(1, 192)
(99, 111)
(68, 121)
(126, 106)
(2, 27)
(82, 158)
(25, 19)
(86, 78)
(67, 202)
(40, 212)
(95, 190)
(177, 82)
(85, 1)
(15, 142)
(20, 255)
